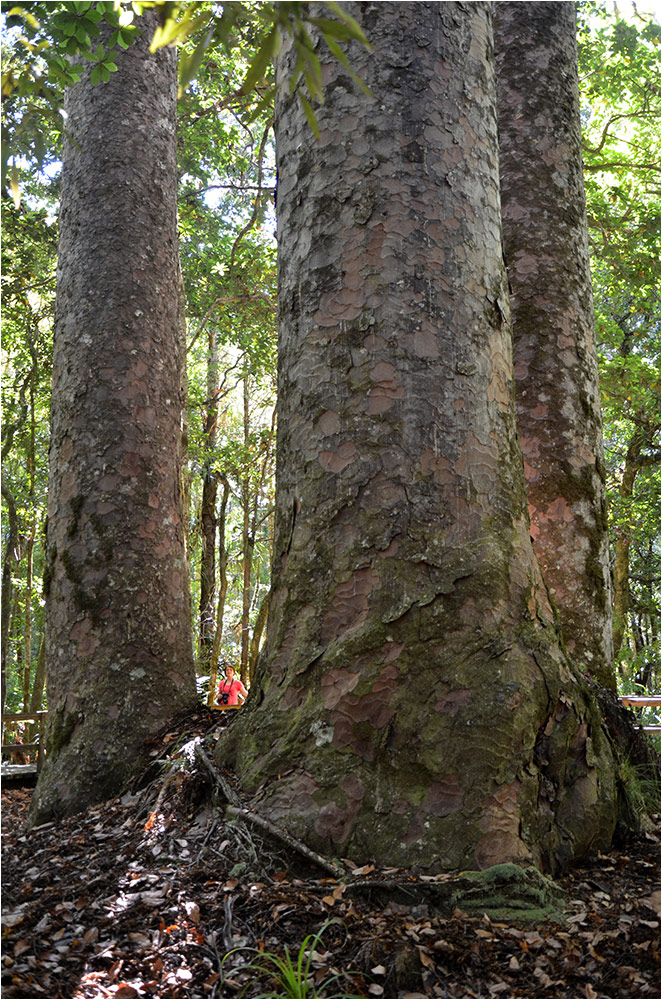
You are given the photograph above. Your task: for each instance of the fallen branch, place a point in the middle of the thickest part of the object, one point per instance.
(218, 779)
(288, 839)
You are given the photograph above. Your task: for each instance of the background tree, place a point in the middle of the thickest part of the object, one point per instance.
(556, 370)
(412, 702)
(619, 60)
(118, 641)
(220, 130)
(28, 264)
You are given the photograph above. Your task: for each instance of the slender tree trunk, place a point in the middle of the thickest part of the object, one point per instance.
(222, 591)
(556, 371)
(258, 629)
(29, 554)
(37, 695)
(621, 571)
(247, 540)
(261, 618)
(10, 558)
(186, 473)
(208, 511)
(412, 702)
(27, 622)
(118, 628)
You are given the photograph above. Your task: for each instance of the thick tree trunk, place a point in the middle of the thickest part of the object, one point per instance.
(556, 370)
(118, 630)
(412, 702)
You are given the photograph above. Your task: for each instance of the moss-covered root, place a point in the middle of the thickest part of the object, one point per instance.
(509, 894)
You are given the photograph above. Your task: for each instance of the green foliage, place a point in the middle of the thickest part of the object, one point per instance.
(29, 248)
(291, 976)
(619, 80)
(641, 791)
(49, 44)
(41, 51)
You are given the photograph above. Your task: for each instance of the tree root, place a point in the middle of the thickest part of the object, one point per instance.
(252, 817)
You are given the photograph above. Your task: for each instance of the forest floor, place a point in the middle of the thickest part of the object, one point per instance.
(159, 894)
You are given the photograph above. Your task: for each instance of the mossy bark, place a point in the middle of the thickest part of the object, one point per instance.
(117, 612)
(556, 369)
(412, 703)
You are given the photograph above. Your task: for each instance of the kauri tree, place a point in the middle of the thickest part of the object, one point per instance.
(555, 360)
(118, 630)
(413, 702)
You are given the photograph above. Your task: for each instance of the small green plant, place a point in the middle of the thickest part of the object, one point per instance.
(641, 790)
(290, 975)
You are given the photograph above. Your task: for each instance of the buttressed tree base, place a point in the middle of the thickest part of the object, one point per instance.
(412, 702)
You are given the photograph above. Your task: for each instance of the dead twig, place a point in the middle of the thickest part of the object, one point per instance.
(218, 779)
(252, 817)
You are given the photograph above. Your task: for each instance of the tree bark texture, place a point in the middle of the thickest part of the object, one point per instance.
(411, 702)
(556, 370)
(118, 629)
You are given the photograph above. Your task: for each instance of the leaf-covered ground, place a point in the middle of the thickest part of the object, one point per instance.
(161, 894)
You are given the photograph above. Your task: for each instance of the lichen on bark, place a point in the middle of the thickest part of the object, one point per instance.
(412, 703)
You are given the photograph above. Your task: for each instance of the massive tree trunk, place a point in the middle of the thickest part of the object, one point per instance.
(412, 702)
(556, 369)
(118, 631)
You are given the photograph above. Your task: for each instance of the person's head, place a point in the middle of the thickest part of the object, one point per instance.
(229, 671)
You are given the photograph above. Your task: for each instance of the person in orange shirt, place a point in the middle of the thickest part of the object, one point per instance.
(231, 691)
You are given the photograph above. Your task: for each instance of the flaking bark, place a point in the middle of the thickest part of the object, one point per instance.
(412, 702)
(556, 368)
(118, 634)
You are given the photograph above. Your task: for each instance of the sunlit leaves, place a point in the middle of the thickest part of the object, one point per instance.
(41, 57)
(50, 43)
(263, 58)
(619, 76)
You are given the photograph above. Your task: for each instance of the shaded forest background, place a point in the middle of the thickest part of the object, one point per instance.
(227, 194)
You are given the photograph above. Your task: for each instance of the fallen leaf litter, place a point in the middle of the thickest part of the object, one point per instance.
(161, 894)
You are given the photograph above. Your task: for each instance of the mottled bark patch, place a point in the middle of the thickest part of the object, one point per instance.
(334, 821)
(348, 605)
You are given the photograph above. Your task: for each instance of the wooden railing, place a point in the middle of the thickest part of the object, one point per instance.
(11, 718)
(643, 701)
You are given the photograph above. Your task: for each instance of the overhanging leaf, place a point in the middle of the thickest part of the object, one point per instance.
(189, 65)
(258, 67)
(309, 113)
(344, 61)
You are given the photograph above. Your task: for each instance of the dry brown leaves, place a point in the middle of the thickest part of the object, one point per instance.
(134, 900)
